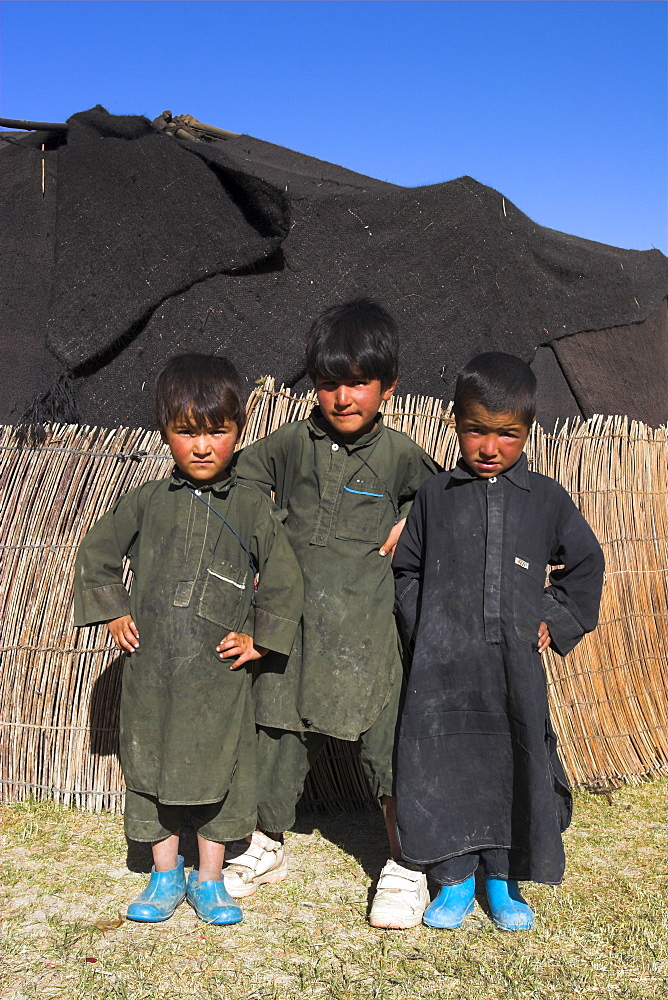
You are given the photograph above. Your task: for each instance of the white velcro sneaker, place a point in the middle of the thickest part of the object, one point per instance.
(401, 898)
(263, 862)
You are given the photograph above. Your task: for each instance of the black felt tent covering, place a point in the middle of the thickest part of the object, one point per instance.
(122, 245)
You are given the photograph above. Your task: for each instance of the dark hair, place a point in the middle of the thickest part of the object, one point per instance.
(202, 390)
(502, 383)
(358, 338)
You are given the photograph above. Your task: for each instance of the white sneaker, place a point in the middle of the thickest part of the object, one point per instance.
(401, 898)
(264, 861)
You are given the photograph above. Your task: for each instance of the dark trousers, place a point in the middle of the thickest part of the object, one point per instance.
(494, 860)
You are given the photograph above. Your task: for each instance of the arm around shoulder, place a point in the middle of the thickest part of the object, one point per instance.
(263, 461)
(421, 468)
(407, 567)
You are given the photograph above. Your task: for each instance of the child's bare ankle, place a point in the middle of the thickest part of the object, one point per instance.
(210, 875)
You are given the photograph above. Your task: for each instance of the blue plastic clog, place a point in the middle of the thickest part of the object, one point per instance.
(211, 901)
(509, 911)
(451, 906)
(164, 892)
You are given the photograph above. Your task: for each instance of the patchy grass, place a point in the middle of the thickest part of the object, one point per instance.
(64, 872)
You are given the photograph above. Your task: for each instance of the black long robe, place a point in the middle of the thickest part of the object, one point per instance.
(477, 760)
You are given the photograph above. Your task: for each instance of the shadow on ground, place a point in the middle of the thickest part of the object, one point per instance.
(361, 834)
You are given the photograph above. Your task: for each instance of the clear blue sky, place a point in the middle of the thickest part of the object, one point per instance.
(561, 106)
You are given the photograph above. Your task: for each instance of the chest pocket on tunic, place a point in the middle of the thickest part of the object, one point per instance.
(528, 586)
(362, 507)
(223, 595)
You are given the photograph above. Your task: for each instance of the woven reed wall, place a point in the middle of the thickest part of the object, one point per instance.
(59, 686)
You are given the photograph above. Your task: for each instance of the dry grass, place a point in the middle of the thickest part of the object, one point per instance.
(64, 872)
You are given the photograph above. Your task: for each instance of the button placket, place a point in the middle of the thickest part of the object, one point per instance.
(493, 561)
(330, 498)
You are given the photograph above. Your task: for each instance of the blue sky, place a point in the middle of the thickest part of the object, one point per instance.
(561, 106)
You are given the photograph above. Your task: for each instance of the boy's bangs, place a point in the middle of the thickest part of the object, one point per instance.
(201, 392)
(345, 361)
(203, 418)
(354, 340)
(501, 383)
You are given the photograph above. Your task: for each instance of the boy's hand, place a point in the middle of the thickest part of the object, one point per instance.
(390, 543)
(241, 645)
(124, 632)
(544, 638)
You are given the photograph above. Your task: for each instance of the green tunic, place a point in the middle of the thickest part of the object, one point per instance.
(342, 499)
(183, 711)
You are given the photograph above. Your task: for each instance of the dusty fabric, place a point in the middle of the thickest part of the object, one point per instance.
(623, 364)
(184, 713)
(160, 245)
(477, 765)
(341, 499)
(140, 218)
(26, 275)
(147, 820)
(285, 758)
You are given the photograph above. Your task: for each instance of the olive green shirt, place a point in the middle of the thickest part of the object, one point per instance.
(182, 708)
(342, 499)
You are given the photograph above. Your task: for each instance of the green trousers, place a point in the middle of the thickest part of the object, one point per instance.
(285, 758)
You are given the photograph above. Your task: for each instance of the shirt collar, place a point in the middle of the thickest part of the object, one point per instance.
(518, 474)
(178, 481)
(321, 428)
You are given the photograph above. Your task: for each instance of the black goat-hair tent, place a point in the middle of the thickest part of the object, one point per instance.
(124, 242)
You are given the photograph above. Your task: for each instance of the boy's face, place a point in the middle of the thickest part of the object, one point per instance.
(351, 405)
(202, 455)
(490, 442)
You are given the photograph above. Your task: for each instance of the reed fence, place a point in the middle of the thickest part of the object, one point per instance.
(59, 686)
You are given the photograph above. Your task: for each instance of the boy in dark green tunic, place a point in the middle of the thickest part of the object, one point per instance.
(479, 780)
(347, 483)
(215, 586)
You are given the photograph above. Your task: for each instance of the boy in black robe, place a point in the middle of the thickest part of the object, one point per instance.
(478, 776)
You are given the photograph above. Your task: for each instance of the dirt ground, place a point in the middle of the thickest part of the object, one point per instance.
(67, 876)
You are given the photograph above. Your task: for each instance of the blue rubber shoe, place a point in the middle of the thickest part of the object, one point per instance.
(509, 911)
(451, 906)
(164, 892)
(212, 902)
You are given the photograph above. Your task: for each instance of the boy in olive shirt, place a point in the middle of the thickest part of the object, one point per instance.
(210, 559)
(347, 483)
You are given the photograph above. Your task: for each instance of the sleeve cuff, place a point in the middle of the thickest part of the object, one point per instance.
(273, 632)
(565, 630)
(404, 510)
(101, 604)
